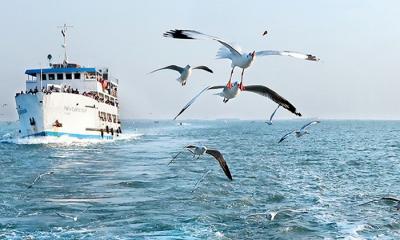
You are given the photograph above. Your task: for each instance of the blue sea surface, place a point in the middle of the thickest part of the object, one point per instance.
(324, 185)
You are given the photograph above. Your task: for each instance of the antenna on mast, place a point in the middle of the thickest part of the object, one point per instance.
(64, 33)
(49, 57)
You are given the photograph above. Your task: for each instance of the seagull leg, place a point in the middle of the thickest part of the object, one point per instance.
(241, 87)
(229, 84)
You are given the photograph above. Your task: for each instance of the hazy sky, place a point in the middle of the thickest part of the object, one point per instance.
(357, 40)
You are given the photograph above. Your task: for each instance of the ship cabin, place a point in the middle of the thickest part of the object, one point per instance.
(72, 78)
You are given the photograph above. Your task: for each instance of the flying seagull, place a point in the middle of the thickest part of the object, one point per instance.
(75, 218)
(185, 72)
(200, 180)
(229, 93)
(300, 132)
(234, 53)
(395, 199)
(198, 151)
(272, 115)
(39, 177)
(272, 215)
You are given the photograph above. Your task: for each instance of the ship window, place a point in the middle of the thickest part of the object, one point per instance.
(103, 116)
(90, 76)
(44, 76)
(68, 76)
(60, 76)
(77, 75)
(51, 76)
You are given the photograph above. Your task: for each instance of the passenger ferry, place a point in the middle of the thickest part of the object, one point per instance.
(67, 99)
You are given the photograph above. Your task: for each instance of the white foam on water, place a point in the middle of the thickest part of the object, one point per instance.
(351, 231)
(65, 139)
(219, 234)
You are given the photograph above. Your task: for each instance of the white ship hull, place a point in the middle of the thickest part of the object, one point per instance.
(66, 114)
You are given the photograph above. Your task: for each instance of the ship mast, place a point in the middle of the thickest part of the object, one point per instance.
(64, 33)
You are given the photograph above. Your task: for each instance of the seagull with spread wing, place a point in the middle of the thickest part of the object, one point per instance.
(184, 71)
(388, 198)
(198, 151)
(272, 116)
(273, 214)
(75, 218)
(234, 53)
(300, 132)
(229, 93)
(39, 177)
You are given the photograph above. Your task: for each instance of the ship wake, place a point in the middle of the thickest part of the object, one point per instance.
(66, 140)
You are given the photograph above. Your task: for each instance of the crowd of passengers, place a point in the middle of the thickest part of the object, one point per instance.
(68, 89)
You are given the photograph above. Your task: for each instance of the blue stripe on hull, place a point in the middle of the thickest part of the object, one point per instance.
(74, 135)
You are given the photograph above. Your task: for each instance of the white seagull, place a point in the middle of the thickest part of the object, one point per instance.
(300, 132)
(234, 53)
(200, 180)
(75, 218)
(184, 71)
(229, 93)
(272, 115)
(39, 177)
(273, 214)
(198, 151)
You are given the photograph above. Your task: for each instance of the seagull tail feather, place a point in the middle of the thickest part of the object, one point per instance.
(223, 52)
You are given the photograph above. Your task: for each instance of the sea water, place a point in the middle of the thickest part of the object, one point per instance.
(314, 187)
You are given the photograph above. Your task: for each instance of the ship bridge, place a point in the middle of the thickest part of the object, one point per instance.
(72, 76)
